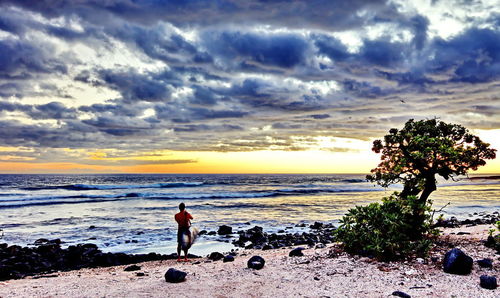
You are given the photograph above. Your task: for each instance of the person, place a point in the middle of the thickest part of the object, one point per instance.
(183, 219)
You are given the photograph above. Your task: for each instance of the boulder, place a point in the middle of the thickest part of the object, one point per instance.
(316, 226)
(175, 276)
(215, 256)
(228, 258)
(225, 230)
(296, 252)
(132, 268)
(488, 282)
(485, 263)
(256, 262)
(457, 262)
(400, 294)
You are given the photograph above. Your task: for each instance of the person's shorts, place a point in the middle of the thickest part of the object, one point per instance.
(180, 232)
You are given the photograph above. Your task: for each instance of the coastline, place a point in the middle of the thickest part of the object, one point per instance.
(320, 272)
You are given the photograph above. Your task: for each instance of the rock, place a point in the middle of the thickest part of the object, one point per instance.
(296, 252)
(488, 282)
(175, 276)
(320, 245)
(457, 262)
(41, 241)
(256, 262)
(400, 294)
(463, 233)
(485, 263)
(215, 256)
(228, 258)
(225, 230)
(211, 233)
(132, 268)
(202, 232)
(316, 226)
(140, 274)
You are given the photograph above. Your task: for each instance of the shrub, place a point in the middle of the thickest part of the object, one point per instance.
(388, 230)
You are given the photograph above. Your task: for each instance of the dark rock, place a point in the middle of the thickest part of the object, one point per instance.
(490, 242)
(211, 233)
(228, 258)
(434, 259)
(281, 231)
(457, 262)
(41, 241)
(256, 262)
(485, 263)
(132, 268)
(140, 274)
(463, 233)
(488, 282)
(316, 226)
(92, 227)
(175, 276)
(215, 256)
(202, 232)
(400, 294)
(225, 230)
(267, 247)
(296, 252)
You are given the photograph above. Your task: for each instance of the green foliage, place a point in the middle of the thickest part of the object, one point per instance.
(388, 230)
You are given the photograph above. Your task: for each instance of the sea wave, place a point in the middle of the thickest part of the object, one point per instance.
(86, 198)
(117, 186)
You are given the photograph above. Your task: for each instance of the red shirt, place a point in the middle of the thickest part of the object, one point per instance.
(183, 218)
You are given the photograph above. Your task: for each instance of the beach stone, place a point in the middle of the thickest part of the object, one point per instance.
(256, 262)
(485, 263)
(174, 276)
(316, 226)
(488, 282)
(140, 274)
(457, 262)
(400, 294)
(215, 256)
(132, 268)
(225, 230)
(296, 252)
(228, 258)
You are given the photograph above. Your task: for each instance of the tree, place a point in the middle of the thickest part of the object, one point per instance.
(401, 225)
(423, 149)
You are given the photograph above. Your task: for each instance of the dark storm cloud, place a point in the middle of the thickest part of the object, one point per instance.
(134, 86)
(21, 60)
(216, 73)
(339, 15)
(474, 56)
(279, 50)
(52, 110)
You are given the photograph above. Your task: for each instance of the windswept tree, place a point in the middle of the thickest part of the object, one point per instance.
(423, 149)
(414, 156)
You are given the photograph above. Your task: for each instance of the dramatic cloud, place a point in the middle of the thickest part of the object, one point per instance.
(235, 75)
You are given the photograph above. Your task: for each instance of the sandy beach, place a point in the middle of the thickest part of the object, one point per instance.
(325, 272)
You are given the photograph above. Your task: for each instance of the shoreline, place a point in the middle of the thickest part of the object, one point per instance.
(324, 271)
(45, 256)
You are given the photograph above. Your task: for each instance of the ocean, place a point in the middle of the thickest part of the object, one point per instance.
(135, 213)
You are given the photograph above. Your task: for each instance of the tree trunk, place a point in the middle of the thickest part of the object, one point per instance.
(429, 187)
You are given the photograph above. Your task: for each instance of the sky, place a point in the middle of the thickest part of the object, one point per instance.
(237, 86)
